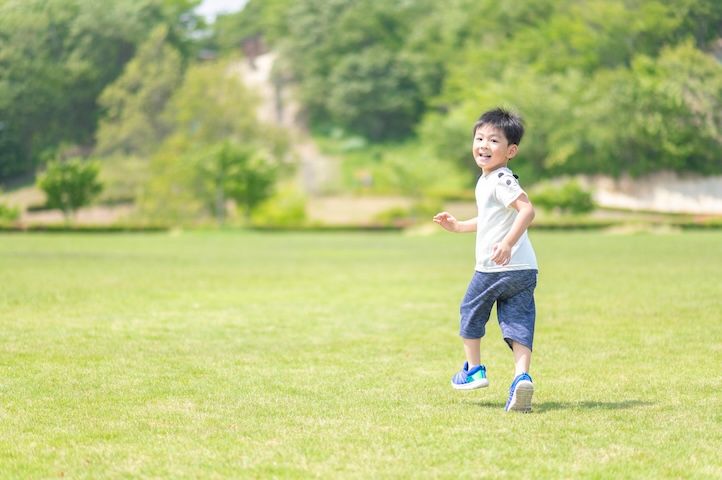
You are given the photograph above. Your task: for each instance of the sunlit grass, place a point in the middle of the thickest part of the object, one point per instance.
(214, 355)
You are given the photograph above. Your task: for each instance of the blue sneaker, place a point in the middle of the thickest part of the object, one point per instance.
(467, 379)
(520, 394)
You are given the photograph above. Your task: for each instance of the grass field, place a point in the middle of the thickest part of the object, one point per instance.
(249, 355)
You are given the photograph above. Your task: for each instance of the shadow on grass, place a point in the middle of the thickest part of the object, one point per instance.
(585, 405)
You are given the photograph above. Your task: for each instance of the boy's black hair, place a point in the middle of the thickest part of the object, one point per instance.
(510, 123)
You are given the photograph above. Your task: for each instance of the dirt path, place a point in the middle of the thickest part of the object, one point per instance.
(317, 171)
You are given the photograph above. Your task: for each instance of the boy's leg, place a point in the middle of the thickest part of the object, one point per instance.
(475, 309)
(517, 314)
(472, 350)
(522, 388)
(472, 375)
(522, 358)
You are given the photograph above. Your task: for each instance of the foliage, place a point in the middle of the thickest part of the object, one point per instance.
(395, 167)
(675, 113)
(123, 177)
(264, 18)
(630, 94)
(12, 158)
(584, 76)
(212, 105)
(133, 103)
(568, 197)
(286, 208)
(608, 86)
(70, 184)
(449, 137)
(56, 57)
(7, 213)
(375, 93)
(352, 67)
(217, 150)
(172, 192)
(237, 172)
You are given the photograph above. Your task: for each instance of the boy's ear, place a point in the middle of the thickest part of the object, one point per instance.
(512, 150)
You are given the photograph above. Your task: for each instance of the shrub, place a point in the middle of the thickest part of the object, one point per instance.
(242, 173)
(567, 198)
(8, 214)
(287, 208)
(70, 185)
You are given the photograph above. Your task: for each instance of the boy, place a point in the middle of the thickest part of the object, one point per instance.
(506, 267)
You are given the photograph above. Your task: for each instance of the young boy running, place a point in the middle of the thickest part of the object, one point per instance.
(506, 267)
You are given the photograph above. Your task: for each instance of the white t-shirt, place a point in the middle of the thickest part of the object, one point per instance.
(495, 193)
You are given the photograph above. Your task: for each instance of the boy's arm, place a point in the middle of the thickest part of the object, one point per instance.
(450, 223)
(501, 252)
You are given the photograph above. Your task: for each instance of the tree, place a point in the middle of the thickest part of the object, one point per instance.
(375, 94)
(567, 198)
(70, 185)
(56, 58)
(215, 141)
(212, 105)
(133, 103)
(258, 18)
(8, 213)
(664, 113)
(352, 67)
(172, 192)
(237, 172)
(635, 92)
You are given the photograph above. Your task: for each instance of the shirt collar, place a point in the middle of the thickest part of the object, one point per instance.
(496, 171)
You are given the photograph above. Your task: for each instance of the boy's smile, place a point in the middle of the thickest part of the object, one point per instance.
(491, 149)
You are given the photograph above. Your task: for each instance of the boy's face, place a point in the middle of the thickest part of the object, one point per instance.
(491, 149)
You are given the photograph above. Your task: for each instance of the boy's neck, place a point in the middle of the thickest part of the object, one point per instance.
(485, 172)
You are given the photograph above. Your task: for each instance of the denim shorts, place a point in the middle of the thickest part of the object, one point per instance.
(513, 292)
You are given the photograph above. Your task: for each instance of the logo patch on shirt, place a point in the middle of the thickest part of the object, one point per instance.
(510, 179)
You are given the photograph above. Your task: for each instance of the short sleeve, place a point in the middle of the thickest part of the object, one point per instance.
(508, 189)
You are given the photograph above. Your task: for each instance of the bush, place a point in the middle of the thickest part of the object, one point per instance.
(287, 208)
(239, 172)
(70, 185)
(567, 198)
(8, 214)
(123, 177)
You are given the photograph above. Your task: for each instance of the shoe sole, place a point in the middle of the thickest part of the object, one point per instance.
(521, 400)
(481, 383)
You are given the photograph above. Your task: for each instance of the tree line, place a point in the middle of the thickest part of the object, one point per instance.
(115, 96)
(605, 86)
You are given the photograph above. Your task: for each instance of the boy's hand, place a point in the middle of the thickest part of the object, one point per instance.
(501, 253)
(447, 220)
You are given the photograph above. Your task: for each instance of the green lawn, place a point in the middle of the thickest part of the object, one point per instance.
(248, 355)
